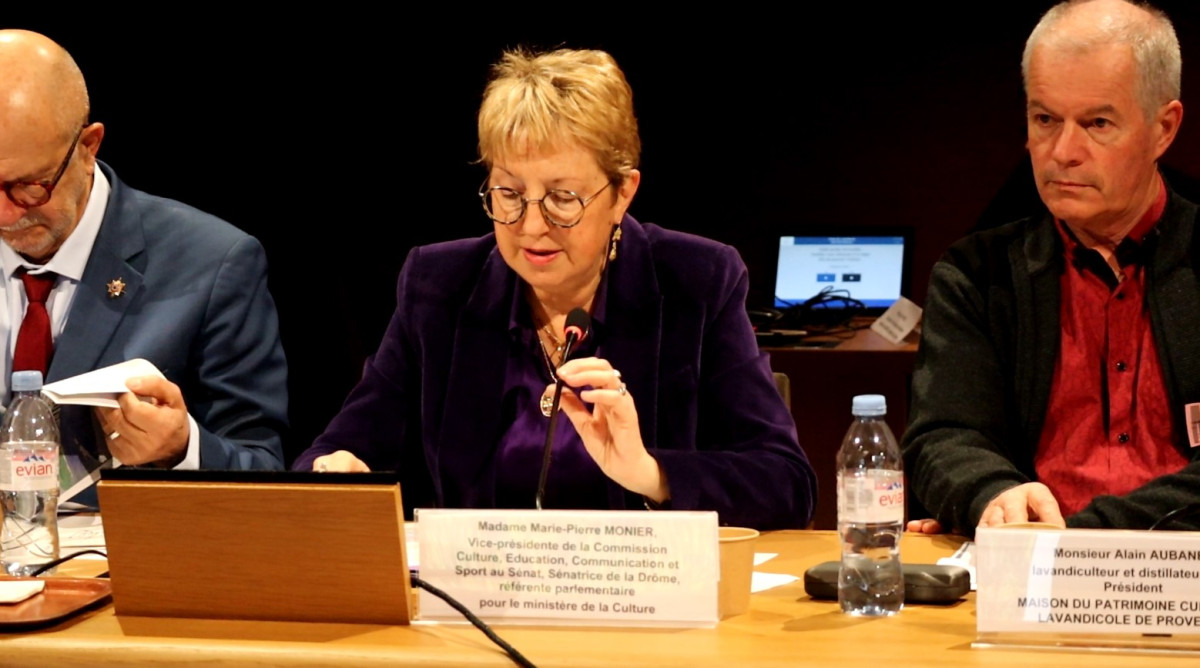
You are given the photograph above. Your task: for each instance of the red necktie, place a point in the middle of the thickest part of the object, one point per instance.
(34, 345)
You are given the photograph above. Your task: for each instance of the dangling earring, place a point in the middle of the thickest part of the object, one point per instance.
(616, 237)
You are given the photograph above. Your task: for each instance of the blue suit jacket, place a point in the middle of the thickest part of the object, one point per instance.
(675, 325)
(196, 305)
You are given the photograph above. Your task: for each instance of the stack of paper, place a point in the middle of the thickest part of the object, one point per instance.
(100, 387)
(79, 471)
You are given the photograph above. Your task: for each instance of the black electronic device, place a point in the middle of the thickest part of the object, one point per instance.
(923, 583)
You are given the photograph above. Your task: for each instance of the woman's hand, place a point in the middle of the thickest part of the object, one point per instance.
(340, 462)
(610, 429)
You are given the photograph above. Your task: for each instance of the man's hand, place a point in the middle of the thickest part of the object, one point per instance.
(1031, 502)
(927, 525)
(151, 425)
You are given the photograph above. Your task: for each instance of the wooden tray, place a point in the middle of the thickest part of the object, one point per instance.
(62, 598)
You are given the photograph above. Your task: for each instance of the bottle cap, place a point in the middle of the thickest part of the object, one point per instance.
(26, 381)
(870, 404)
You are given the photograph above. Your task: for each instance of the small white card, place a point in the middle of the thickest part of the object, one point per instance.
(898, 321)
(100, 387)
(571, 568)
(1087, 581)
(15, 591)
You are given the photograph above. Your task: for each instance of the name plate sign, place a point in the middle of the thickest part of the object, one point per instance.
(571, 567)
(1087, 581)
(896, 323)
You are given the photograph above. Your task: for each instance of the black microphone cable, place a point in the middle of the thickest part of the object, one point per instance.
(826, 313)
(576, 329)
(62, 560)
(478, 623)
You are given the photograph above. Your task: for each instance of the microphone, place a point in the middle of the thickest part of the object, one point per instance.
(576, 329)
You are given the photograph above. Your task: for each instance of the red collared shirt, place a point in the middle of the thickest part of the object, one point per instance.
(1108, 427)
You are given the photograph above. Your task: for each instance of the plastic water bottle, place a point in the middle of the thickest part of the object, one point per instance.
(29, 445)
(870, 486)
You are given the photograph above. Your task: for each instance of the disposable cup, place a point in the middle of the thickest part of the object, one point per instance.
(737, 564)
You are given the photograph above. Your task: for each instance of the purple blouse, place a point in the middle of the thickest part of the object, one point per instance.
(574, 481)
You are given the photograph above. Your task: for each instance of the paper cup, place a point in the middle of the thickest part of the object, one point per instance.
(737, 564)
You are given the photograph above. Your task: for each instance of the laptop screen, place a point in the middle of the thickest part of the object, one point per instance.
(871, 268)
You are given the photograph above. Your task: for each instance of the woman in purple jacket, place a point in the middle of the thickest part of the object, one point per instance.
(668, 399)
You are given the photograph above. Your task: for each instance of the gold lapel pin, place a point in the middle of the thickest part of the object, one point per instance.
(116, 288)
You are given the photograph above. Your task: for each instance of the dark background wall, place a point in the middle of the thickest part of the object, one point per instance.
(343, 140)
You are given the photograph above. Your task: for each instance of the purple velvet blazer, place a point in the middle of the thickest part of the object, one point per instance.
(428, 405)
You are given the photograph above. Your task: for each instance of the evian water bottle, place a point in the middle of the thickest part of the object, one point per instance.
(29, 446)
(870, 489)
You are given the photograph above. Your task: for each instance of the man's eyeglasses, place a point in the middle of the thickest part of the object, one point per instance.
(28, 194)
(561, 208)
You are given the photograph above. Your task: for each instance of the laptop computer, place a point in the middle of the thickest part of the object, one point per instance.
(870, 266)
(286, 546)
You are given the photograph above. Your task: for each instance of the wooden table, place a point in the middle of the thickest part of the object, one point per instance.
(824, 382)
(782, 628)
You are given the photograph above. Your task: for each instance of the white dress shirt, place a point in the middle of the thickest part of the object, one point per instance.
(68, 263)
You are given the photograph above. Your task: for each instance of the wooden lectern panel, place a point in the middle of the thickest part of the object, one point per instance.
(268, 551)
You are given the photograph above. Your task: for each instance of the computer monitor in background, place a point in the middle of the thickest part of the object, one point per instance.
(872, 267)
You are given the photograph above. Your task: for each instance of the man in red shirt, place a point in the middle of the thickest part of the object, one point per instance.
(1059, 352)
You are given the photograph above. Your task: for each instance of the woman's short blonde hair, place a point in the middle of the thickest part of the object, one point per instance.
(539, 101)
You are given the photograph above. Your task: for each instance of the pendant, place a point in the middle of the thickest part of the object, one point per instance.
(547, 402)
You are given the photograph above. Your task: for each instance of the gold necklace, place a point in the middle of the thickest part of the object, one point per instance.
(549, 363)
(546, 404)
(558, 345)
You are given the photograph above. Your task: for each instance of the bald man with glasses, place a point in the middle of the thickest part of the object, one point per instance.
(96, 273)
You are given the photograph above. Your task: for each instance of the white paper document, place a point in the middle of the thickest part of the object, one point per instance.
(79, 471)
(764, 581)
(761, 558)
(100, 387)
(83, 531)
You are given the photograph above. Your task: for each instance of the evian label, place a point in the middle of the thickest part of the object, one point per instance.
(29, 469)
(872, 496)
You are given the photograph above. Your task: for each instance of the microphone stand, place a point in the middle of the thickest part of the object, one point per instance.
(578, 323)
(546, 448)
